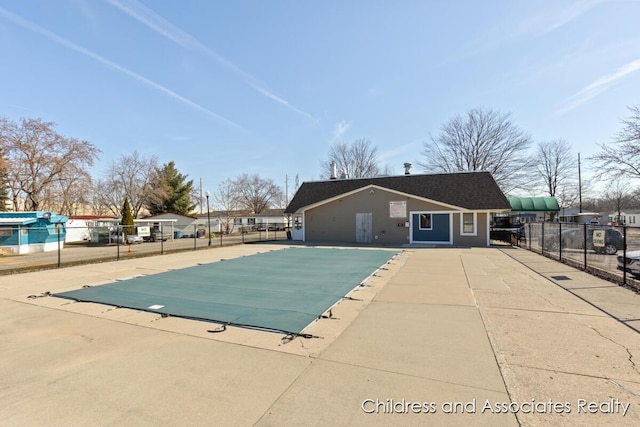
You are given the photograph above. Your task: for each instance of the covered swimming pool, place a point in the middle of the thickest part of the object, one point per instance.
(282, 290)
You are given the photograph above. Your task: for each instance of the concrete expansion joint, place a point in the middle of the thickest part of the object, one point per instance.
(529, 310)
(617, 384)
(409, 375)
(559, 371)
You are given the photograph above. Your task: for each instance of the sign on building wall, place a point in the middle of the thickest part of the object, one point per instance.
(398, 209)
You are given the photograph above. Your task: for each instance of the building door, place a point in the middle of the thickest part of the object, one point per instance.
(364, 227)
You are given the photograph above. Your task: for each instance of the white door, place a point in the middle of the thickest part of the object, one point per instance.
(364, 227)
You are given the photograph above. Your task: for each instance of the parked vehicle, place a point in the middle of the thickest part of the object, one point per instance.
(631, 263)
(270, 227)
(574, 239)
(613, 240)
(157, 235)
(129, 239)
(502, 228)
(133, 239)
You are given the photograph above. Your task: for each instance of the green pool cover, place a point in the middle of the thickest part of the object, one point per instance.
(282, 290)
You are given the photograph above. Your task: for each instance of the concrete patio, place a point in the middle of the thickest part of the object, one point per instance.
(478, 336)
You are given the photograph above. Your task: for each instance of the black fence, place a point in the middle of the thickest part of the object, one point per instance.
(611, 252)
(27, 248)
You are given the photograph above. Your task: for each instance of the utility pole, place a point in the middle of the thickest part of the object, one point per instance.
(286, 190)
(579, 185)
(200, 201)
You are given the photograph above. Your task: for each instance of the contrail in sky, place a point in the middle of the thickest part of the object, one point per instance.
(69, 44)
(598, 86)
(165, 28)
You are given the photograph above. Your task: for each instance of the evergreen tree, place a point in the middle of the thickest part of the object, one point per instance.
(170, 192)
(127, 218)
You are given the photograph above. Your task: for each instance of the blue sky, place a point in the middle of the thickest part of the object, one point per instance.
(230, 87)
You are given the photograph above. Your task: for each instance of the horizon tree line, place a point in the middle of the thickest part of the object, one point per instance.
(41, 169)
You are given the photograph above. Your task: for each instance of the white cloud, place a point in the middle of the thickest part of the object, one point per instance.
(157, 23)
(87, 10)
(339, 130)
(598, 86)
(69, 44)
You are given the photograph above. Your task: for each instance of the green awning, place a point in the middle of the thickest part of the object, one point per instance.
(534, 204)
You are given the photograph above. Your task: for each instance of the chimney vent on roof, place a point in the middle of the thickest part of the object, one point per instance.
(407, 168)
(344, 174)
(334, 170)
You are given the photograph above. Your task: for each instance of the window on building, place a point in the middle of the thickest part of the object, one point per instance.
(425, 222)
(468, 223)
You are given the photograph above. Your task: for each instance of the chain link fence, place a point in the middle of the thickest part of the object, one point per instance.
(610, 252)
(24, 248)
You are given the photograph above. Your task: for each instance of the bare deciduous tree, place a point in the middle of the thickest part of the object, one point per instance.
(618, 198)
(129, 176)
(255, 193)
(40, 159)
(556, 166)
(484, 140)
(227, 202)
(102, 200)
(4, 181)
(358, 159)
(70, 192)
(621, 159)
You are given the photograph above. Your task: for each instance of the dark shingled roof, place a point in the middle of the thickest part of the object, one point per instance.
(468, 190)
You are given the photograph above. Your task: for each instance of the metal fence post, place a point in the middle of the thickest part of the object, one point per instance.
(624, 255)
(195, 237)
(584, 239)
(560, 240)
(161, 239)
(542, 239)
(59, 231)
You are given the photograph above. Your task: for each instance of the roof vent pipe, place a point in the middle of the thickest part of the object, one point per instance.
(334, 170)
(407, 168)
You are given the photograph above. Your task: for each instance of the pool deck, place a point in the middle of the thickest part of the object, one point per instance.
(442, 337)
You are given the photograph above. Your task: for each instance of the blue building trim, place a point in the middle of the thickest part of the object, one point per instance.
(439, 232)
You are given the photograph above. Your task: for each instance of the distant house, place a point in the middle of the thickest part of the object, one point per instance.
(448, 209)
(576, 216)
(172, 224)
(34, 231)
(235, 221)
(267, 218)
(89, 227)
(631, 218)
